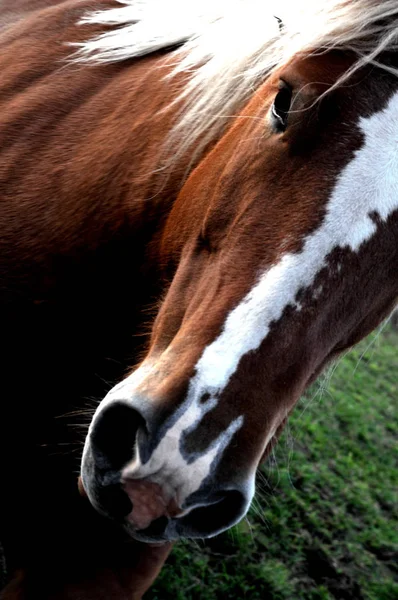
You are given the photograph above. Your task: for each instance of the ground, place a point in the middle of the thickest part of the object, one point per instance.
(324, 523)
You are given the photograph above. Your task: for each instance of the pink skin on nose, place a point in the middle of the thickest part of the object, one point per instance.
(148, 503)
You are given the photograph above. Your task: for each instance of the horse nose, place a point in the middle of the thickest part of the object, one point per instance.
(153, 505)
(114, 436)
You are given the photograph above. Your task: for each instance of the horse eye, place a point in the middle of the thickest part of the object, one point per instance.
(280, 108)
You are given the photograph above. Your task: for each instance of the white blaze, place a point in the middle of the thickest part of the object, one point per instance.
(369, 183)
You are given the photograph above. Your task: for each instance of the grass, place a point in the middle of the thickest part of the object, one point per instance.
(324, 523)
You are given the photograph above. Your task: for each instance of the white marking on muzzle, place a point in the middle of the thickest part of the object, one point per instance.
(179, 475)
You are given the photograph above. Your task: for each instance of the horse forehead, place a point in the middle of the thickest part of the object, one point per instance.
(317, 71)
(368, 185)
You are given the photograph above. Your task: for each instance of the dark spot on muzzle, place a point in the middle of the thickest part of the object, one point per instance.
(205, 398)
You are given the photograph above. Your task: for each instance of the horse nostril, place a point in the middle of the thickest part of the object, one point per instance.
(218, 512)
(113, 436)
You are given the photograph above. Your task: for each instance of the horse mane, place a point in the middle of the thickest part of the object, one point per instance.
(228, 47)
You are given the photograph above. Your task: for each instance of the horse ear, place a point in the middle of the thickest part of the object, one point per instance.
(280, 24)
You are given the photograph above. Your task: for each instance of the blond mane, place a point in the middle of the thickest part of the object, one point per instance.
(229, 46)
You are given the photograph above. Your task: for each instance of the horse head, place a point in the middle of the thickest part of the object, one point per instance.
(280, 252)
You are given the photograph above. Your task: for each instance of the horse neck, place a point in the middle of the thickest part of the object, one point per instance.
(90, 138)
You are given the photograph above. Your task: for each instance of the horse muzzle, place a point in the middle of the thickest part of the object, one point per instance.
(133, 474)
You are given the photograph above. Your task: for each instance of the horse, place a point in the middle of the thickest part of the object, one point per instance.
(199, 213)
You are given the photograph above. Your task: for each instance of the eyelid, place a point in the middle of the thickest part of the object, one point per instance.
(276, 116)
(279, 117)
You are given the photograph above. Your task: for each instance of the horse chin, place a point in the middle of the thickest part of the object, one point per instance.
(147, 537)
(165, 529)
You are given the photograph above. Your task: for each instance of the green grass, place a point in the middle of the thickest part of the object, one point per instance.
(324, 524)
